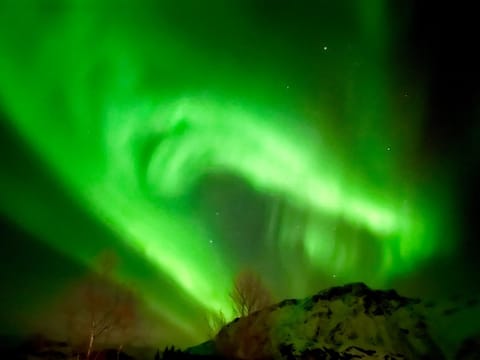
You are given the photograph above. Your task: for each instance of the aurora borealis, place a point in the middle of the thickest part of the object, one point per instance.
(197, 140)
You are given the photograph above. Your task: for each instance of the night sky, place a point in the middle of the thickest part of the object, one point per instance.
(315, 142)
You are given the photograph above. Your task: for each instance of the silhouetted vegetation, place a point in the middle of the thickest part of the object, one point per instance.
(98, 309)
(170, 353)
(249, 293)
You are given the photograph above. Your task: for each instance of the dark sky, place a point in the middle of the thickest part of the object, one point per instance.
(433, 49)
(443, 47)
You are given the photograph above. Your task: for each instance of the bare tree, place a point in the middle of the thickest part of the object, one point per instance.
(127, 318)
(98, 308)
(249, 293)
(248, 338)
(215, 322)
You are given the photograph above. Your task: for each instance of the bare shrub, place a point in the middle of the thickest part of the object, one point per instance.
(249, 293)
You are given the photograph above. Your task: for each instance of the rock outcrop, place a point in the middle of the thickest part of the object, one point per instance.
(347, 322)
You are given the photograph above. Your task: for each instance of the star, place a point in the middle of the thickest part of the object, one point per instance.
(325, 48)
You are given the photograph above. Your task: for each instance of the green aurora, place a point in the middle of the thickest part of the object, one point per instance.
(134, 111)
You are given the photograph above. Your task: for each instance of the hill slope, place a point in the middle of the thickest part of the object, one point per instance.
(347, 322)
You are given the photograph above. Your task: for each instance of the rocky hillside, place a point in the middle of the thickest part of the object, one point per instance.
(347, 322)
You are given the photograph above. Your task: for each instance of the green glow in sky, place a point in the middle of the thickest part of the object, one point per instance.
(132, 110)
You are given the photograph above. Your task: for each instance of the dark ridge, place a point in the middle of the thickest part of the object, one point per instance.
(308, 305)
(367, 352)
(340, 291)
(376, 302)
(287, 302)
